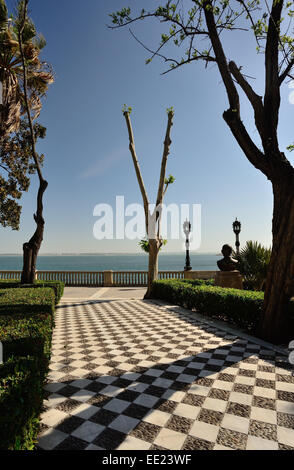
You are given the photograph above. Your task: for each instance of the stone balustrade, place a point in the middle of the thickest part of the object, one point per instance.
(108, 278)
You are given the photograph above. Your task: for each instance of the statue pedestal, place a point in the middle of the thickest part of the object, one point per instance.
(231, 279)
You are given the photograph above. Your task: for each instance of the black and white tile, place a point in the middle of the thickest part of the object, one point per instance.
(133, 374)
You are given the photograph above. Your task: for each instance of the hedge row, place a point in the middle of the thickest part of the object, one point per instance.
(26, 335)
(26, 324)
(57, 286)
(21, 397)
(26, 301)
(242, 308)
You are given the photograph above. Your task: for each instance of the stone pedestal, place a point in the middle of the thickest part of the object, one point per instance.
(199, 274)
(231, 279)
(108, 278)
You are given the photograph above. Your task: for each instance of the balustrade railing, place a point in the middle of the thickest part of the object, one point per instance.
(107, 278)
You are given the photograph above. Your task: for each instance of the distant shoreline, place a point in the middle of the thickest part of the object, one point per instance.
(110, 261)
(113, 254)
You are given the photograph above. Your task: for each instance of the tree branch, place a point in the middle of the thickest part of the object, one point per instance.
(167, 143)
(38, 217)
(156, 53)
(137, 167)
(25, 86)
(252, 152)
(272, 86)
(255, 100)
(4, 168)
(232, 115)
(221, 58)
(286, 72)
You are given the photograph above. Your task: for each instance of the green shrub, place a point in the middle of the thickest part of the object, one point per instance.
(242, 308)
(57, 286)
(26, 301)
(254, 260)
(26, 340)
(21, 397)
(23, 335)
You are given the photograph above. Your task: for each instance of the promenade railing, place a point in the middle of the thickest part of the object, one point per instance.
(107, 278)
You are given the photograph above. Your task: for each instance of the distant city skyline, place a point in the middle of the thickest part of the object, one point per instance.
(87, 159)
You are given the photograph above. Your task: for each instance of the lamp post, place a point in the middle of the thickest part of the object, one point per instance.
(187, 230)
(237, 230)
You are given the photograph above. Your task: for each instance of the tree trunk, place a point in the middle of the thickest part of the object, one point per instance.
(274, 325)
(154, 247)
(31, 248)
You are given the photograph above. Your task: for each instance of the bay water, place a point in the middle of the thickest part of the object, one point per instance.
(113, 261)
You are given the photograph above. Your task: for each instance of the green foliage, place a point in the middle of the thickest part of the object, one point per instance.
(170, 180)
(144, 244)
(3, 14)
(253, 264)
(21, 397)
(39, 73)
(27, 301)
(27, 334)
(241, 308)
(186, 28)
(57, 286)
(26, 324)
(15, 148)
(15, 168)
(126, 109)
(238, 307)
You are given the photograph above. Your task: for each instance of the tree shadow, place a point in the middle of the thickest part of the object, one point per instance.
(124, 408)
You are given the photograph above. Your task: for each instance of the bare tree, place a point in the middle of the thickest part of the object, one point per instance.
(152, 219)
(201, 24)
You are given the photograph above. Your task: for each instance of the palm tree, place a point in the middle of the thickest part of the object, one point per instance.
(253, 264)
(39, 74)
(25, 80)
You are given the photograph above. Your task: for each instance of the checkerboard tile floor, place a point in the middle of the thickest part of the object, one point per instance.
(138, 375)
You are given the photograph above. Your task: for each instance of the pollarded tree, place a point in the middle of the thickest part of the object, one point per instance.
(198, 26)
(15, 170)
(154, 240)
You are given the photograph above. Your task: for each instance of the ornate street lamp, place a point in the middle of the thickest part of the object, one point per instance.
(187, 230)
(237, 230)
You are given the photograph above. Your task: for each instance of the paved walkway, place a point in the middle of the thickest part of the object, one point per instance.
(131, 374)
(103, 293)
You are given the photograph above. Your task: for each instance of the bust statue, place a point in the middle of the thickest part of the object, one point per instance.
(227, 263)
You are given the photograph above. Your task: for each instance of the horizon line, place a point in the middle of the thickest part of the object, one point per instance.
(112, 253)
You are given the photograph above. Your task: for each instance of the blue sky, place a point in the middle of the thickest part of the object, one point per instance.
(87, 160)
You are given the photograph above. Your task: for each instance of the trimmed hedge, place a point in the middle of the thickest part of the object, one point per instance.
(240, 307)
(23, 335)
(57, 286)
(26, 324)
(26, 301)
(21, 397)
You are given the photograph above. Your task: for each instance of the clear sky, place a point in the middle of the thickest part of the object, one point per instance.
(87, 160)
